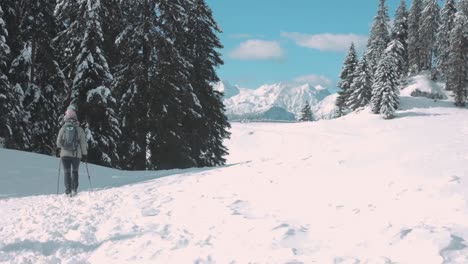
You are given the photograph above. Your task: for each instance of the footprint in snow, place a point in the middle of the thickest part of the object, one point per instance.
(147, 202)
(405, 232)
(295, 231)
(294, 261)
(208, 260)
(284, 225)
(455, 179)
(164, 232)
(206, 242)
(149, 211)
(167, 200)
(346, 260)
(456, 244)
(242, 208)
(181, 243)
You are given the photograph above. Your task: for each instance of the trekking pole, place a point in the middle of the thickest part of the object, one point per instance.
(58, 177)
(89, 177)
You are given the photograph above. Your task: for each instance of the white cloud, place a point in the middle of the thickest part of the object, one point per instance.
(327, 41)
(314, 80)
(255, 49)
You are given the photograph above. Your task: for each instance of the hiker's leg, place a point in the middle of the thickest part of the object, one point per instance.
(75, 169)
(66, 161)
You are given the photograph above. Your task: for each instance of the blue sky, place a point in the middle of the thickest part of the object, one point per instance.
(269, 41)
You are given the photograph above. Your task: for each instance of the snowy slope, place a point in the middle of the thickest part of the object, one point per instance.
(358, 189)
(25, 174)
(291, 97)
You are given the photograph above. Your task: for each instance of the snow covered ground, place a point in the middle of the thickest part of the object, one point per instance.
(358, 189)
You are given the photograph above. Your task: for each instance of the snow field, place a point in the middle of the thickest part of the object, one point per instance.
(358, 189)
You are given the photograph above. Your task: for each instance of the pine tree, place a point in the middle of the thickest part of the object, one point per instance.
(173, 105)
(7, 98)
(12, 16)
(181, 119)
(134, 80)
(429, 25)
(415, 37)
(458, 59)
(40, 76)
(112, 25)
(379, 36)
(384, 99)
(400, 33)
(447, 17)
(361, 87)
(20, 56)
(346, 79)
(12, 112)
(396, 50)
(207, 141)
(306, 113)
(91, 93)
(69, 14)
(18, 59)
(388, 102)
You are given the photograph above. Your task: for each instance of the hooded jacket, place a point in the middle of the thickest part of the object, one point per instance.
(82, 145)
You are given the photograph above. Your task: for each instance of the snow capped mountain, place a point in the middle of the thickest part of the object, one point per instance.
(228, 89)
(252, 104)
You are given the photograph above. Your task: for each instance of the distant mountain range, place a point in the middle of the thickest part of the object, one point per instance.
(275, 102)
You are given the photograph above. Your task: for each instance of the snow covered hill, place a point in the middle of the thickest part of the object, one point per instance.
(421, 85)
(247, 104)
(358, 189)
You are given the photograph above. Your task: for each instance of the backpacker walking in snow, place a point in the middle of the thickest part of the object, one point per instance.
(72, 142)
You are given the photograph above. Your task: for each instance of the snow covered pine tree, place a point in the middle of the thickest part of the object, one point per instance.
(12, 112)
(385, 100)
(457, 73)
(306, 114)
(91, 92)
(45, 83)
(379, 36)
(346, 79)
(447, 22)
(414, 37)
(361, 88)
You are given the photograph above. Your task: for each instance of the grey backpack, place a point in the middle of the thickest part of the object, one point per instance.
(70, 137)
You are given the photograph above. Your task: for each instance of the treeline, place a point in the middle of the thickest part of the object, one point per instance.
(426, 38)
(138, 73)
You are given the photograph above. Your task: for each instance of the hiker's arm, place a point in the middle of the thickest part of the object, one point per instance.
(60, 134)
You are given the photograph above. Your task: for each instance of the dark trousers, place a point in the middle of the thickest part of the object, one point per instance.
(70, 166)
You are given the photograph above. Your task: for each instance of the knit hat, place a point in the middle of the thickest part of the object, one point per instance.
(70, 114)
